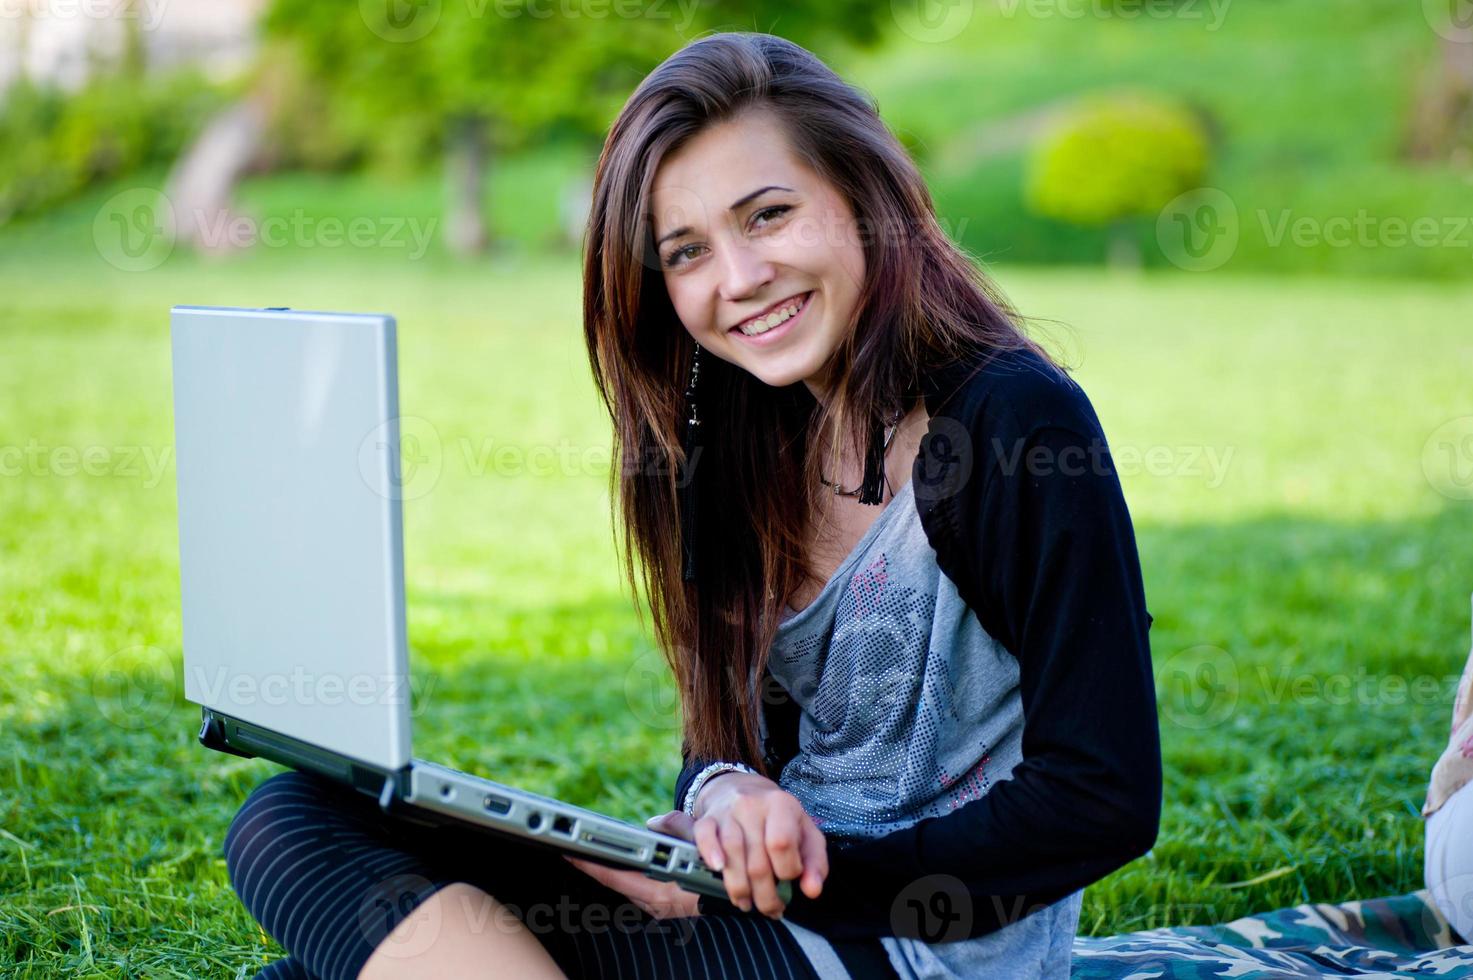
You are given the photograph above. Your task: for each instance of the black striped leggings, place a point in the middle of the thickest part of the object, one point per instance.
(328, 875)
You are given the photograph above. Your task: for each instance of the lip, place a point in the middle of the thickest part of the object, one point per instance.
(781, 328)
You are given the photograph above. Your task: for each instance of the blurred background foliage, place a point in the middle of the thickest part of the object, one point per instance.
(1033, 123)
(1115, 157)
(54, 145)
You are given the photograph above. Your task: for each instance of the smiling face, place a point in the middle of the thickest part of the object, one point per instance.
(746, 233)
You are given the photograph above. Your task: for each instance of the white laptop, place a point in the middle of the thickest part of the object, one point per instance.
(292, 577)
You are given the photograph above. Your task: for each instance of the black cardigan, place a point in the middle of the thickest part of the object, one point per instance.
(1016, 490)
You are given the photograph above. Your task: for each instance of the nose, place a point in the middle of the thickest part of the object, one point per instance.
(744, 271)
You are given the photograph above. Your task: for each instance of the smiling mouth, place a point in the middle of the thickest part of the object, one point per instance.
(801, 301)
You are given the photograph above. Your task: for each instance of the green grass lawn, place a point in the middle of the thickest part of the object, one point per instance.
(1291, 541)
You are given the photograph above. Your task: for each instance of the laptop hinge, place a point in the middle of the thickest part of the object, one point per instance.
(225, 734)
(395, 788)
(212, 735)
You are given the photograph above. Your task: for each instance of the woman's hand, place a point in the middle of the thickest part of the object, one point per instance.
(754, 832)
(661, 899)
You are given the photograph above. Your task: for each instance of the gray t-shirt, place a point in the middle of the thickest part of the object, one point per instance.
(909, 710)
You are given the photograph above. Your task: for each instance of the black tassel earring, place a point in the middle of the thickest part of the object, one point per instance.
(874, 468)
(691, 443)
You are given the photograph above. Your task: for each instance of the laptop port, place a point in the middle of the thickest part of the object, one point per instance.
(562, 825)
(662, 855)
(610, 843)
(496, 804)
(534, 821)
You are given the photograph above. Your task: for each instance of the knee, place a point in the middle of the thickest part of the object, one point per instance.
(1448, 865)
(255, 826)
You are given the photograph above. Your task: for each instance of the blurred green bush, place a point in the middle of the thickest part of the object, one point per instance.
(54, 144)
(1116, 156)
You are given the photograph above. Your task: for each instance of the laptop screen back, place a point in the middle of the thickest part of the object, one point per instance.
(290, 534)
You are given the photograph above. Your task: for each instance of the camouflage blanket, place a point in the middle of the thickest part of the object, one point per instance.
(1404, 935)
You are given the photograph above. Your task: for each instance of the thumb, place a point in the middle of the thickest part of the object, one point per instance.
(676, 823)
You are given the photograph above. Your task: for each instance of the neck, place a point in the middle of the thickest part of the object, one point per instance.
(818, 387)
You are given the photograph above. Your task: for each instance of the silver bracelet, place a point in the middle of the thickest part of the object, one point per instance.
(704, 776)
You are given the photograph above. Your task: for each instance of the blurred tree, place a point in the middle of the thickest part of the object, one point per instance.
(55, 144)
(461, 81)
(1441, 126)
(1115, 157)
(57, 139)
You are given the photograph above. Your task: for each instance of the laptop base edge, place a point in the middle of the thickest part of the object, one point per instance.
(430, 795)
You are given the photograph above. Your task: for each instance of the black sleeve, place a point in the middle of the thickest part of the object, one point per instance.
(1055, 556)
(689, 768)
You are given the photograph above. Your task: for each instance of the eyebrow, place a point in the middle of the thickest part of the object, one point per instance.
(734, 205)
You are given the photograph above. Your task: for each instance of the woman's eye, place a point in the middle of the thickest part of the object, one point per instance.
(673, 258)
(775, 210)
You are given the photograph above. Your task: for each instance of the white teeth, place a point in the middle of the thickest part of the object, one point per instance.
(772, 319)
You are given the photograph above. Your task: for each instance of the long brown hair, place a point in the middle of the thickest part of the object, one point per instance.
(924, 303)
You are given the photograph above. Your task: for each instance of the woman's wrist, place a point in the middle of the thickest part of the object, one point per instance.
(704, 777)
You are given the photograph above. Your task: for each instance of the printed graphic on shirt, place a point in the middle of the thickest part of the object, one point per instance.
(970, 787)
(867, 586)
(904, 711)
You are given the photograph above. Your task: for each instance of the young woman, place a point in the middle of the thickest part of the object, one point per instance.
(887, 558)
(1448, 811)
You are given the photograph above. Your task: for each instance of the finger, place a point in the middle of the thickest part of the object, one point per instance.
(759, 867)
(656, 898)
(708, 842)
(784, 835)
(592, 869)
(626, 882)
(676, 823)
(673, 902)
(734, 852)
(815, 850)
